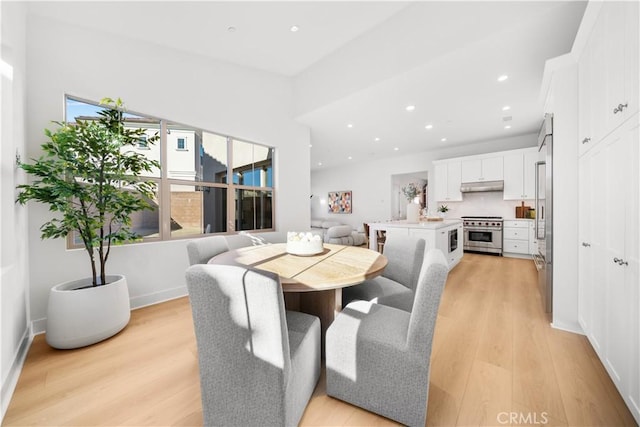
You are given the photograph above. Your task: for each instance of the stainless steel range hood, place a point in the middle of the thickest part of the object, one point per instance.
(474, 187)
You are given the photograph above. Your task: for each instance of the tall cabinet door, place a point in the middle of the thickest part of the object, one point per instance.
(597, 186)
(616, 174)
(632, 270)
(585, 250)
(609, 293)
(454, 179)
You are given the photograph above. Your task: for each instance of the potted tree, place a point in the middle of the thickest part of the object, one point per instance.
(91, 177)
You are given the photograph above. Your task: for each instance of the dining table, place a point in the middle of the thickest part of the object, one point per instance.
(312, 283)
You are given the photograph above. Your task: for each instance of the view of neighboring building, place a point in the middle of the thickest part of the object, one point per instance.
(189, 155)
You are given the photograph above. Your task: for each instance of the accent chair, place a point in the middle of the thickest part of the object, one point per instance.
(201, 250)
(396, 286)
(259, 364)
(378, 357)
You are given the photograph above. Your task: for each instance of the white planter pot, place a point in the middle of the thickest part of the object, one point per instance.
(81, 317)
(413, 212)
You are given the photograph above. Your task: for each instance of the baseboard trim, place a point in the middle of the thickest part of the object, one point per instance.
(39, 326)
(9, 385)
(576, 329)
(158, 297)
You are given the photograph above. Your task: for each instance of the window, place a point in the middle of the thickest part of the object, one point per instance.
(194, 196)
(143, 144)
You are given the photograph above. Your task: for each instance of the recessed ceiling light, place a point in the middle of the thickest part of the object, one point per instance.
(231, 29)
(444, 140)
(376, 139)
(410, 107)
(294, 29)
(503, 78)
(319, 163)
(310, 145)
(506, 108)
(350, 125)
(428, 127)
(507, 127)
(396, 149)
(349, 157)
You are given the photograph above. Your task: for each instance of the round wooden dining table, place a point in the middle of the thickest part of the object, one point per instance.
(311, 284)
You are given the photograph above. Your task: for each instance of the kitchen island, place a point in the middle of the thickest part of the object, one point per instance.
(446, 235)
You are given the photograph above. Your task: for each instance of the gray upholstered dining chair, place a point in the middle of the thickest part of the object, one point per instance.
(377, 357)
(396, 286)
(201, 250)
(259, 364)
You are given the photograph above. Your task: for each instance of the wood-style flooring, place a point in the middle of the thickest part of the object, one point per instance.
(496, 361)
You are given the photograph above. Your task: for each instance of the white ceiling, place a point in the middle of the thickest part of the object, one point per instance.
(363, 62)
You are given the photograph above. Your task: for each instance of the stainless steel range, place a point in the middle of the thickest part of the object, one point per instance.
(483, 234)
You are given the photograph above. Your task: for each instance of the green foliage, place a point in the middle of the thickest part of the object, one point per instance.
(89, 175)
(443, 208)
(411, 191)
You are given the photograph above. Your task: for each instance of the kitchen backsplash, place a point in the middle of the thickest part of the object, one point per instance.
(484, 204)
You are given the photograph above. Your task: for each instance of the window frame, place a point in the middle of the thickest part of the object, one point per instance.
(164, 182)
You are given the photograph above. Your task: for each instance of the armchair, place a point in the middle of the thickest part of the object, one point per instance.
(397, 284)
(378, 357)
(259, 364)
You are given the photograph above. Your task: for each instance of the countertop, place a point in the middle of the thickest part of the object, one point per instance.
(425, 225)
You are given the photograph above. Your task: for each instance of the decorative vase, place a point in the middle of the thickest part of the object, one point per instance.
(79, 314)
(413, 212)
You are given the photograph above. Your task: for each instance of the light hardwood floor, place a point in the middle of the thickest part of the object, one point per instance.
(494, 354)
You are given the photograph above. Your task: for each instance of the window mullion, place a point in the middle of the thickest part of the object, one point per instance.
(231, 190)
(165, 187)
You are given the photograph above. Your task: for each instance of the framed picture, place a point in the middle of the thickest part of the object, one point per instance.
(340, 202)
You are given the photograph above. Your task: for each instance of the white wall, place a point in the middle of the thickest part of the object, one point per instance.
(216, 96)
(371, 182)
(14, 274)
(562, 101)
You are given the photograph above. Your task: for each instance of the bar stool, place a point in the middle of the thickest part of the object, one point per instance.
(381, 237)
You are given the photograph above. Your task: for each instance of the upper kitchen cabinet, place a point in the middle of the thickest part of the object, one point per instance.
(608, 73)
(621, 61)
(482, 169)
(447, 181)
(519, 174)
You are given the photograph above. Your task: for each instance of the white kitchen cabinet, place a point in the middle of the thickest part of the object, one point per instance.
(608, 73)
(609, 193)
(519, 174)
(533, 239)
(620, 61)
(453, 256)
(447, 181)
(482, 169)
(609, 239)
(515, 237)
(428, 236)
(585, 95)
(397, 232)
(586, 242)
(435, 234)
